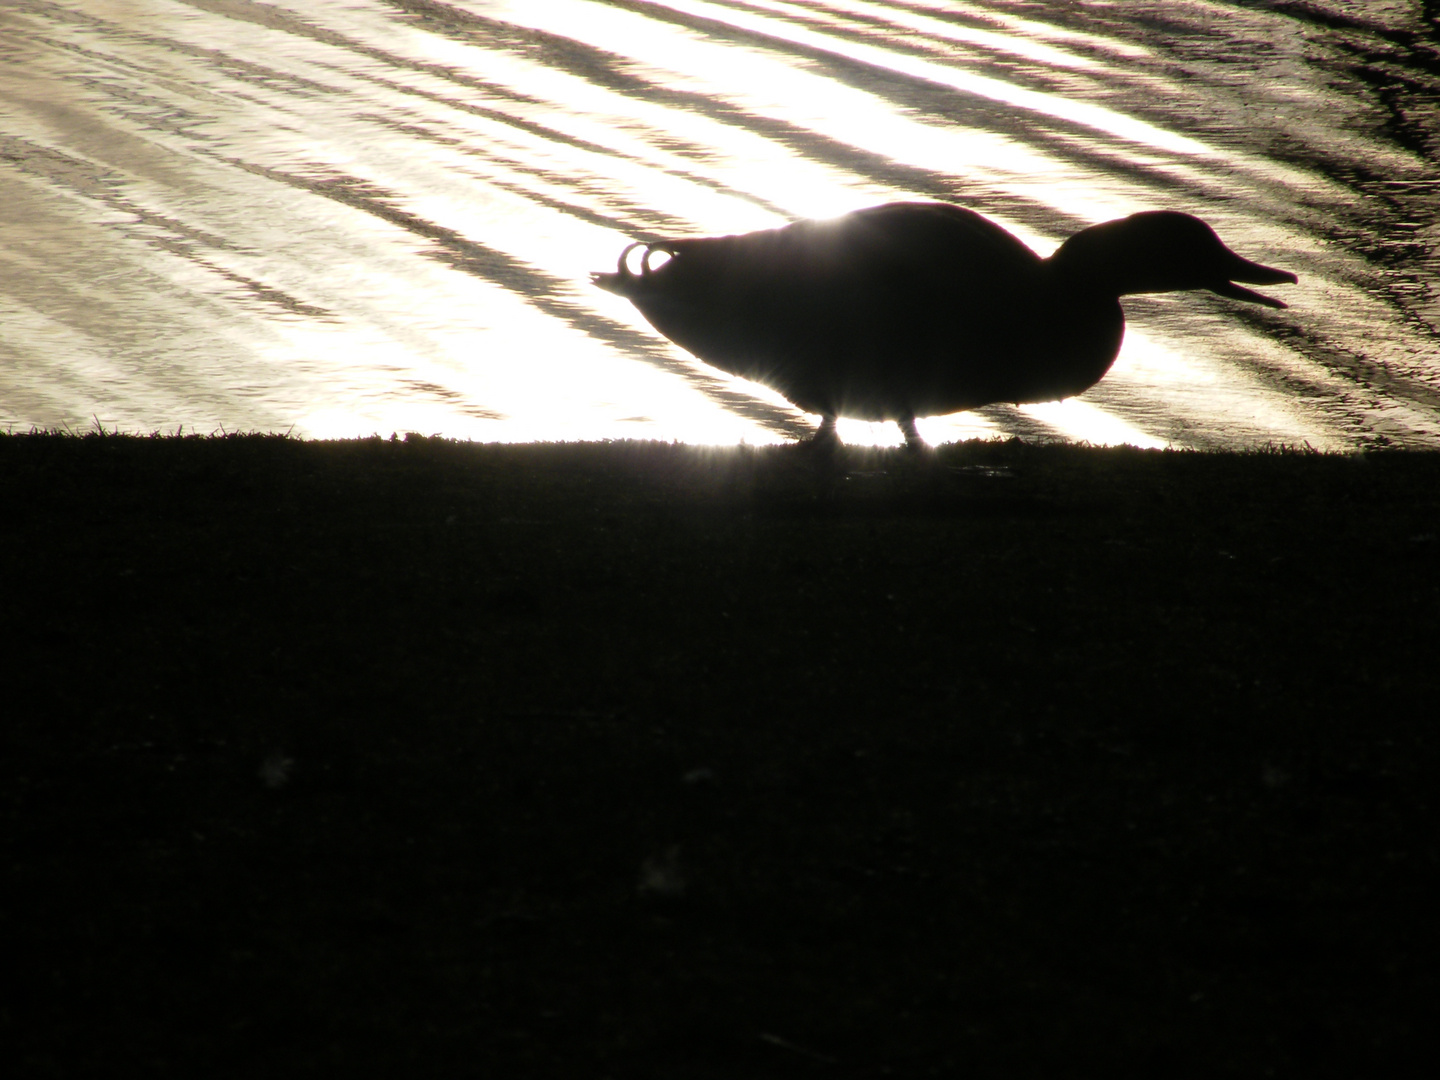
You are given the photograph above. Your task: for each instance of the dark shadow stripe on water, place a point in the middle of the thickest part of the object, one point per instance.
(555, 136)
(456, 400)
(1015, 424)
(242, 70)
(628, 219)
(63, 172)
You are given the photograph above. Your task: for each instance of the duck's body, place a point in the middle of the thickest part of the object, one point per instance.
(919, 309)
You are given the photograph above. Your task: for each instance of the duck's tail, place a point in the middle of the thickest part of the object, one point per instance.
(625, 281)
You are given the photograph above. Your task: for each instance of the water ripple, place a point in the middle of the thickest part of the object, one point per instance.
(355, 216)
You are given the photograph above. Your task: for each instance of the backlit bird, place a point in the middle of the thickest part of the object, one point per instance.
(918, 309)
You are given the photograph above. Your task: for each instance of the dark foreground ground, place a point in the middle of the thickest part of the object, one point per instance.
(417, 759)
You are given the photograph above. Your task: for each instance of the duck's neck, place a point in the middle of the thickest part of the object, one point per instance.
(1098, 262)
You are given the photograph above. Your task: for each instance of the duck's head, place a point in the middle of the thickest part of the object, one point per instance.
(1160, 251)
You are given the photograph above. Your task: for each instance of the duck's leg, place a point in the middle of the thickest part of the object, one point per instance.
(912, 437)
(826, 434)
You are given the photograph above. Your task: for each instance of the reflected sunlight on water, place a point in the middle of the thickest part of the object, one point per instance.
(341, 217)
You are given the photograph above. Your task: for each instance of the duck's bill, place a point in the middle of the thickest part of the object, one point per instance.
(1237, 292)
(1253, 274)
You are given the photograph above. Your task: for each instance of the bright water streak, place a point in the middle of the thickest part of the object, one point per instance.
(342, 217)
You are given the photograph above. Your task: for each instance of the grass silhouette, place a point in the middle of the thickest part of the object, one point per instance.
(416, 757)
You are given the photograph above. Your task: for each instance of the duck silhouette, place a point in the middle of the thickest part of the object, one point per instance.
(917, 309)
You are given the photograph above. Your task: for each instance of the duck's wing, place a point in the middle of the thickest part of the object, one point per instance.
(968, 317)
(935, 238)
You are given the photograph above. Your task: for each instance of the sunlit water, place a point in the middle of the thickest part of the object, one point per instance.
(345, 217)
